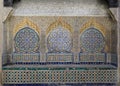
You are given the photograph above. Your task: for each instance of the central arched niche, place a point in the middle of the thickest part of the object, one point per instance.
(59, 44)
(59, 41)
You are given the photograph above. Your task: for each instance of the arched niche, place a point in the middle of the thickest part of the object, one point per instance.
(97, 43)
(92, 41)
(92, 44)
(26, 42)
(59, 42)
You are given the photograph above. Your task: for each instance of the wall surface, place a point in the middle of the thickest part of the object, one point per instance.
(5, 11)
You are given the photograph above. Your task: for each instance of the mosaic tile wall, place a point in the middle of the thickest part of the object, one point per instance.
(43, 26)
(59, 41)
(47, 29)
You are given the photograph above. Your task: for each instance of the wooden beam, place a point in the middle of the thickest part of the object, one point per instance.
(113, 3)
(9, 3)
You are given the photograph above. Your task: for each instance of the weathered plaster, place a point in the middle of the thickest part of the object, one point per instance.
(3, 15)
(60, 8)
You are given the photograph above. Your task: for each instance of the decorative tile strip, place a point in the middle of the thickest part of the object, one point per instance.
(59, 76)
(88, 57)
(26, 57)
(59, 57)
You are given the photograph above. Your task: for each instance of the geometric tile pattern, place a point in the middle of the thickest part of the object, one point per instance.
(59, 76)
(17, 57)
(26, 41)
(92, 41)
(59, 40)
(59, 57)
(95, 57)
